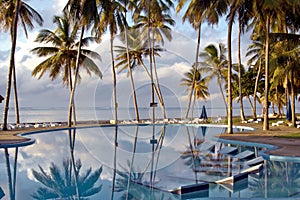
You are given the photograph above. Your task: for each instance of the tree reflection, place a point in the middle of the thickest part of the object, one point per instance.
(61, 184)
(282, 180)
(136, 190)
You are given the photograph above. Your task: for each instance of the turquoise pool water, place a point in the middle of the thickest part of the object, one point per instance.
(176, 156)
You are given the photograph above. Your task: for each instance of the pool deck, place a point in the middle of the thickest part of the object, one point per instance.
(286, 147)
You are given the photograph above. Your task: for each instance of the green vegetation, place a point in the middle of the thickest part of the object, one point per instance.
(290, 136)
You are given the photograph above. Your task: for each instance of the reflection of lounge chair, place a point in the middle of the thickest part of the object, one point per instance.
(191, 189)
(255, 161)
(228, 150)
(244, 155)
(2, 194)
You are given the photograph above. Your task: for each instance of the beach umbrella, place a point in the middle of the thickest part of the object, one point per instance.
(289, 111)
(203, 113)
(203, 130)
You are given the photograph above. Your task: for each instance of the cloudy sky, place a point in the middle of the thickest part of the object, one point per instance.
(175, 61)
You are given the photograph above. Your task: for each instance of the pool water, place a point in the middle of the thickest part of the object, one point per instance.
(124, 162)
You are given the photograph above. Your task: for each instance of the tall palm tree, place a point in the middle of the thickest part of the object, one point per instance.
(62, 53)
(112, 19)
(199, 85)
(256, 51)
(84, 14)
(215, 63)
(244, 12)
(196, 13)
(154, 24)
(60, 184)
(127, 5)
(267, 11)
(14, 12)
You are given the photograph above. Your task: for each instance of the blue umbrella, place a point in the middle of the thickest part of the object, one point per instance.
(203, 113)
(289, 111)
(203, 130)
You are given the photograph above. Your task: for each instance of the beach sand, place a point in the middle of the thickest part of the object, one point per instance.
(286, 147)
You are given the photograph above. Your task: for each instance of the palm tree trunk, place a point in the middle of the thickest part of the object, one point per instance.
(160, 97)
(229, 113)
(71, 103)
(195, 68)
(114, 78)
(251, 104)
(10, 182)
(15, 171)
(155, 88)
(72, 157)
(132, 160)
(11, 66)
(266, 103)
(16, 95)
(293, 100)
(135, 103)
(71, 88)
(223, 97)
(193, 105)
(240, 76)
(255, 90)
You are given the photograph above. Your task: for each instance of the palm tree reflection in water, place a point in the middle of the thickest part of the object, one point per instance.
(67, 183)
(130, 180)
(273, 185)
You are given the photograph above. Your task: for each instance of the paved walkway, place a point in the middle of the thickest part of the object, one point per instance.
(286, 146)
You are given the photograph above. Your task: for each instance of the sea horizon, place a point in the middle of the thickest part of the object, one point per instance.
(60, 114)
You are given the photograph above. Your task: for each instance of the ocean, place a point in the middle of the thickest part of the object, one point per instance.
(60, 114)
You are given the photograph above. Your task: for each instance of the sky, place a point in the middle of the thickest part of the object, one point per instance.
(173, 63)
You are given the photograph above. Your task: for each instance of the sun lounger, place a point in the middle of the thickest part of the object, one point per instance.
(38, 126)
(12, 126)
(29, 126)
(21, 125)
(228, 150)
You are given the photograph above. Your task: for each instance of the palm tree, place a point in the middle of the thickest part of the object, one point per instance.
(58, 184)
(62, 54)
(199, 86)
(84, 15)
(12, 13)
(285, 56)
(128, 5)
(111, 19)
(154, 24)
(256, 51)
(215, 63)
(196, 13)
(137, 52)
(267, 11)
(244, 11)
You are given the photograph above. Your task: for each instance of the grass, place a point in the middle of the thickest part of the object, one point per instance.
(290, 136)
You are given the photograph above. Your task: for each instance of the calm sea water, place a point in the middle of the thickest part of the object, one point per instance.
(54, 114)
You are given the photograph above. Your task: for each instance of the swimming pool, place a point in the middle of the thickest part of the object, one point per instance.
(165, 157)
